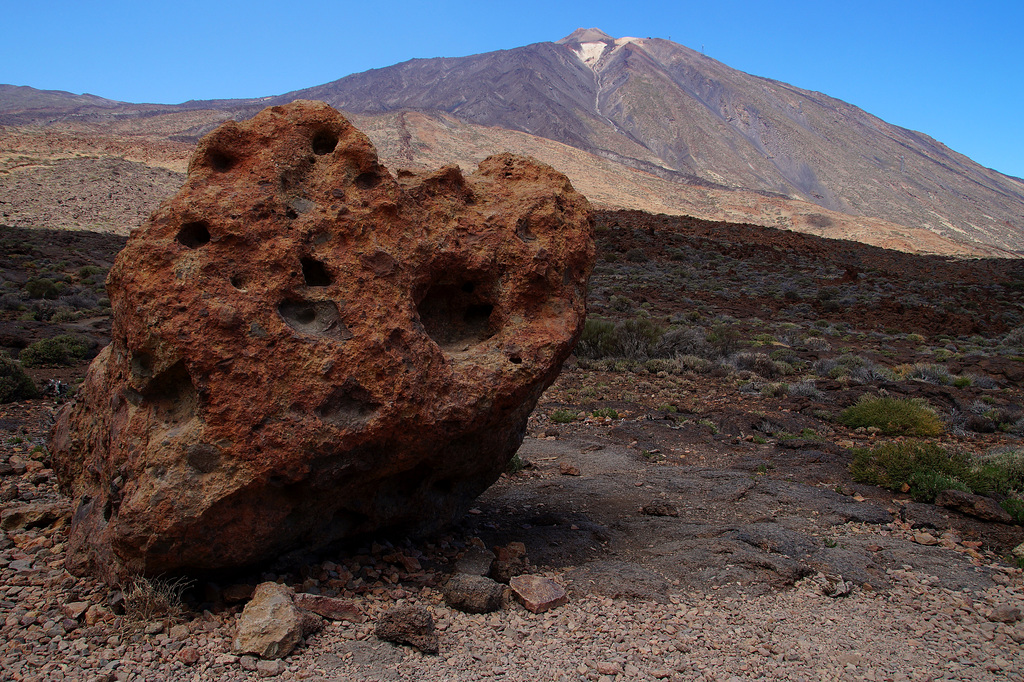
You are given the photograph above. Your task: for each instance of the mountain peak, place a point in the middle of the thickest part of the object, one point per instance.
(585, 35)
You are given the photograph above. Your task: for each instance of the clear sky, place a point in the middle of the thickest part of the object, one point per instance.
(953, 70)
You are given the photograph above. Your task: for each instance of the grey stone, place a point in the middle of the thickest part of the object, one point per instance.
(473, 593)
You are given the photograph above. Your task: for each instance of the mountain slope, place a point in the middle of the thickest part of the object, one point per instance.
(663, 108)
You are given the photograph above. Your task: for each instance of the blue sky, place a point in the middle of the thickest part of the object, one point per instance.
(953, 70)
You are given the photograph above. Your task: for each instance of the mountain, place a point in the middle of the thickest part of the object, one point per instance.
(635, 123)
(662, 108)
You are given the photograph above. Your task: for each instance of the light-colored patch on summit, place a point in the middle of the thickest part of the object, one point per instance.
(589, 53)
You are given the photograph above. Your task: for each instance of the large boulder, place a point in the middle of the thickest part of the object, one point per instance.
(305, 348)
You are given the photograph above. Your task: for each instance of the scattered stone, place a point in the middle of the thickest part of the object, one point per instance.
(154, 628)
(925, 539)
(271, 625)
(538, 594)
(76, 609)
(567, 469)
(473, 593)
(1018, 551)
(411, 625)
(833, 585)
(659, 508)
(247, 662)
(978, 506)
(188, 655)
(179, 632)
(295, 289)
(270, 668)
(475, 561)
(1004, 614)
(34, 515)
(331, 608)
(509, 561)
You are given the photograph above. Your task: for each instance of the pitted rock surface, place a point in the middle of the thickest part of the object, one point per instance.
(305, 348)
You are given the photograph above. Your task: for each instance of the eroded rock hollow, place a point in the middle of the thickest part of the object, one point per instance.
(305, 348)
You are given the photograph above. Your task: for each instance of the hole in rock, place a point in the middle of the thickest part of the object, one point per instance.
(315, 273)
(173, 395)
(315, 318)
(515, 359)
(456, 315)
(194, 235)
(238, 282)
(203, 457)
(142, 364)
(220, 161)
(367, 180)
(324, 142)
(348, 406)
(291, 214)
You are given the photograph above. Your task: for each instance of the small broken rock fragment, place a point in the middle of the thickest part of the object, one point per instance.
(538, 594)
(568, 469)
(473, 593)
(331, 608)
(411, 625)
(271, 625)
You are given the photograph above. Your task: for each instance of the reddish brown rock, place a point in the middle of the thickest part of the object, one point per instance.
(538, 594)
(305, 348)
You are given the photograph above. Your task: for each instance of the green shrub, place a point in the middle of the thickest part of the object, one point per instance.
(926, 468)
(14, 383)
(633, 339)
(606, 412)
(43, 287)
(563, 416)
(894, 416)
(62, 350)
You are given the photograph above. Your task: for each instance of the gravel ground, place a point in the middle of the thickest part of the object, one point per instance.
(57, 627)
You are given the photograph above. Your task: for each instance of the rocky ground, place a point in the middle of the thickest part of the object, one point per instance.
(698, 505)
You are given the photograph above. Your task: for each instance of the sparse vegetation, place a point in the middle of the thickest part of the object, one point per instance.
(893, 416)
(59, 351)
(14, 383)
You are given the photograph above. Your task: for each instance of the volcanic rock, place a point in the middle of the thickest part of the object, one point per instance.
(305, 348)
(271, 625)
(978, 506)
(473, 593)
(538, 594)
(406, 624)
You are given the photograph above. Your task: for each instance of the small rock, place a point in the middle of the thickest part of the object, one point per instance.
(978, 506)
(473, 593)
(34, 515)
(538, 594)
(329, 607)
(188, 655)
(509, 561)
(270, 668)
(228, 659)
(833, 585)
(411, 625)
(95, 614)
(75, 609)
(179, 632)
(247, 662)
(271, 625)
(567, 469)
(1004, 614)
(476, 561)
(608, 668)
(154, 628)
(659, 508)
(925, 539)
(1018, 551)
